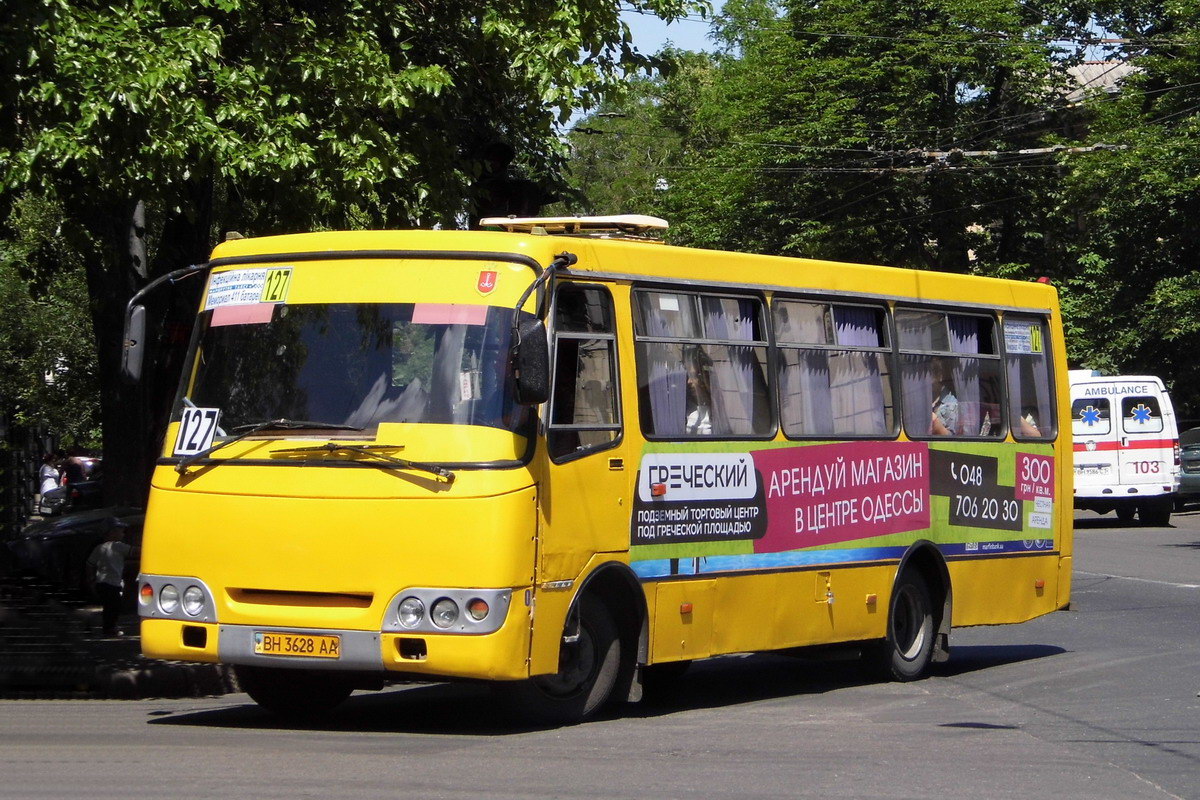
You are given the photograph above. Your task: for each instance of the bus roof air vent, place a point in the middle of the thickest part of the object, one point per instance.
(619, 225)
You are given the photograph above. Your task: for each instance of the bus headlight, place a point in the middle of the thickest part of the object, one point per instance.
(410, 611)
(168, 598)
(445, 612)
(193, 600)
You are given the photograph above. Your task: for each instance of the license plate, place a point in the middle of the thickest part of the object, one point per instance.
(277, 643)
(1092, 470)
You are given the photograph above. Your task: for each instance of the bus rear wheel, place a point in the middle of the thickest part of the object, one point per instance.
(587, 672)
(292, 693)
(906, 652)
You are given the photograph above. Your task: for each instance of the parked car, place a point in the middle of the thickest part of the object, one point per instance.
(57, 549)
(81, 496)
(1189, 476)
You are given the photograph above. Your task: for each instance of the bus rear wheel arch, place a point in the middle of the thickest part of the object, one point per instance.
(918, 624)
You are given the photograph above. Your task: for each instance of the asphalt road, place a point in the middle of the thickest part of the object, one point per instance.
(1098, 702)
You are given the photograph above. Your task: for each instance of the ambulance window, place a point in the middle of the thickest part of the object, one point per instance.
(1141, 414)
(584, 412)
(1090, 417)
(1030, 380)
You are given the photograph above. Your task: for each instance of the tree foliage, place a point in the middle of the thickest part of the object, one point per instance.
(1131, 284)
(47, 361)
(892, 131)
(156, 125)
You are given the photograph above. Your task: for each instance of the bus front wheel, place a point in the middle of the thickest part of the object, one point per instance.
(290, 692)
(908, 649)
(588, 663)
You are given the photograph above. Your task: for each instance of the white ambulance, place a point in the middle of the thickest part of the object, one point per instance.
(1126, 446)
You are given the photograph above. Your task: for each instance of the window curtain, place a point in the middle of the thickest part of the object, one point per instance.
(1029, 387)
(964, 338)
(916, 372)
(733, 368)
(666, 378)
(855, 383)
(807, 405)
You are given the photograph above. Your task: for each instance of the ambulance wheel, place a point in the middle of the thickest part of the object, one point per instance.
(1155, 513)
(292, 693)
(587, 673)
(906, 652)
(1125, 513)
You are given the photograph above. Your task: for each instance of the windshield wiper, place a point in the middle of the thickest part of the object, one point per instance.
(255, 427)
(373, 451)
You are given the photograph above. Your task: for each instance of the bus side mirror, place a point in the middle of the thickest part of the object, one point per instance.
(531, 363)
(133, 348)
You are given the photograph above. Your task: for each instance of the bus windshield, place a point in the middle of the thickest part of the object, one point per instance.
(356, 364)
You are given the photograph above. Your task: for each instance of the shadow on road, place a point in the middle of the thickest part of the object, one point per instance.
(472, 710)
(972, 658)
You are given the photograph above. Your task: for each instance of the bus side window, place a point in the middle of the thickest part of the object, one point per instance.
(584, 412)
(834, 369)
(949, 373)
(701, 362)
(1030, 382)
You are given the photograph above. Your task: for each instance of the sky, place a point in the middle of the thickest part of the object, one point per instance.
(651, 33)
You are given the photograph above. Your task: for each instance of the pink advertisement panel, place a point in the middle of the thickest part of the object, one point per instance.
(838, 492)
(1035, 477)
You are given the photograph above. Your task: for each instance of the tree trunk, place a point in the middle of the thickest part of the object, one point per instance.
(134, 416)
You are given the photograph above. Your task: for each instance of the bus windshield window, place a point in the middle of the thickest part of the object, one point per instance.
(359, 364)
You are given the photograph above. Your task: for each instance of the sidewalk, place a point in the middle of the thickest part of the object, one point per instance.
(51, 646)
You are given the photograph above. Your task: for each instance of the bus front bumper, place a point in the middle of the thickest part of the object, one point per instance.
(503, 655)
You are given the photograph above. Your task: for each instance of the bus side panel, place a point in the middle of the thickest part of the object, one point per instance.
(683, 620)
(999, 591)
(800, 608)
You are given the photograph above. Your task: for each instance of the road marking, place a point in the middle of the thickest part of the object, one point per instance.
(1140, 580)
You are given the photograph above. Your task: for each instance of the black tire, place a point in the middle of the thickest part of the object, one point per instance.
(1155, 513)
(906, 652)
(587, 673)
(293, 693)
(1125, 513)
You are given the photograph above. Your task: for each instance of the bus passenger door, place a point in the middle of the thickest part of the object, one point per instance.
(585, 501)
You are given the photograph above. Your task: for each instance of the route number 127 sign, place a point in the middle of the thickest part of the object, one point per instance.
(196, 429)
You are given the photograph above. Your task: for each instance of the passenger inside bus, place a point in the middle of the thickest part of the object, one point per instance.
(944, 421)
(699, 393)
(1027, 423)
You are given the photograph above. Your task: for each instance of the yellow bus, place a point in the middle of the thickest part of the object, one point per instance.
(562, 456)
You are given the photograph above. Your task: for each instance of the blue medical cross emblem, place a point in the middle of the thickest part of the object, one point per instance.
(1090, 416)
(1140, 413)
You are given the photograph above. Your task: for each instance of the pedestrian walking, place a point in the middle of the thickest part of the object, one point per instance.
(106, 566)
